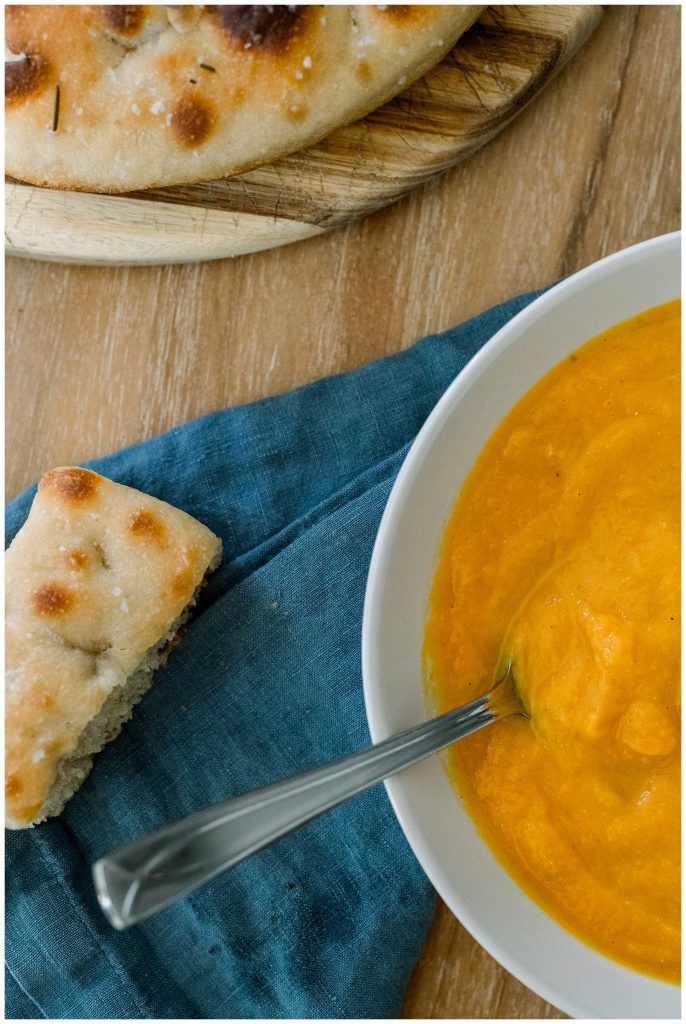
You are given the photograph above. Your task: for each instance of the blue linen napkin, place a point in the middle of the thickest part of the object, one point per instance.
(267, 682)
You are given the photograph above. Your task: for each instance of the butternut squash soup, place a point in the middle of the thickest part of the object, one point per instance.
(562, 556)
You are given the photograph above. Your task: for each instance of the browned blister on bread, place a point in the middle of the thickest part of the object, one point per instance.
(98, 581)
(119, 97)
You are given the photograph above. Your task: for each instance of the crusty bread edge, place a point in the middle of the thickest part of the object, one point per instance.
(73, 769)
(319, 130)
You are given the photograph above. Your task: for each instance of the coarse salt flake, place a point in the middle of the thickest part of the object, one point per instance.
(135, 109)
(38, 756)
(78, 111)
(307, 62)
(13, 680)
(124, 606)
(116, 591)
(157, 107)
(299, 74)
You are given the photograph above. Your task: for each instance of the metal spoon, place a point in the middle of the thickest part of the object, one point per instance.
(137, 880)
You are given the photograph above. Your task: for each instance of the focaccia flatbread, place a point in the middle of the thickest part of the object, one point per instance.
(114, 98)
(98, 581)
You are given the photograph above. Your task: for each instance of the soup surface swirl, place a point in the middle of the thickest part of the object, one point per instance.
(562, 555)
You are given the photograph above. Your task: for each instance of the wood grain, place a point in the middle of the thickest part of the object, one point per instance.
(497, 67)
(101, 357)
(495, 70)
(78, 227)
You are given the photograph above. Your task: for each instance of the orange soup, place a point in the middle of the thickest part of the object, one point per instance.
(562, 556)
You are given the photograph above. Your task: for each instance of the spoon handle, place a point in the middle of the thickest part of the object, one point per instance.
(141, 878)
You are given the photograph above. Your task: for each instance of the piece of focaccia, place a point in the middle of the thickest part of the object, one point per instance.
(111, 98)
(99, 581)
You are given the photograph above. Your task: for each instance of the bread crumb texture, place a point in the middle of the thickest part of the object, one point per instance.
(98, 581)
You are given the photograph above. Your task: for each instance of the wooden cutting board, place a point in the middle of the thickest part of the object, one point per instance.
(504, 60)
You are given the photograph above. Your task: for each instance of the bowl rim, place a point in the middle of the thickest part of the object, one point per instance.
(375, 705)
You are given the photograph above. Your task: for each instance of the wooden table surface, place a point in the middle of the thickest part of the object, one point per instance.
(97, 358)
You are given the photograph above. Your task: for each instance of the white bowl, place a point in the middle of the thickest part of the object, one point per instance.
(521, 936)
